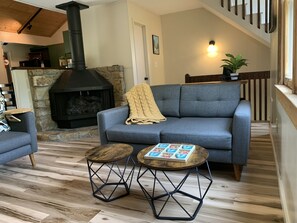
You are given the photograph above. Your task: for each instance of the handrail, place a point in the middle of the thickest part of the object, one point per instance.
(255, 90)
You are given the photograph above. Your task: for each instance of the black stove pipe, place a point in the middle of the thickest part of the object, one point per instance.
(74, 25)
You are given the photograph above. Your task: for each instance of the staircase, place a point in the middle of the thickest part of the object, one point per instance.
(253, 17)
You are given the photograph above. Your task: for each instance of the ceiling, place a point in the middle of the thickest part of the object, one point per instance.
(159, 7)
(15, 15)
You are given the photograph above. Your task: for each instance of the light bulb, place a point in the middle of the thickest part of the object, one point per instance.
(212, 49)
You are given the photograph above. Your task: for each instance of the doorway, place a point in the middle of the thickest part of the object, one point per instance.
(141, 74)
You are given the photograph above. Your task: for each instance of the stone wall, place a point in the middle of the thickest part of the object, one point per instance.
(41, 80)
(115, 75)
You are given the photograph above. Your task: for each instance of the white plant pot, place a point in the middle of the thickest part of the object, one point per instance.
(234, 76)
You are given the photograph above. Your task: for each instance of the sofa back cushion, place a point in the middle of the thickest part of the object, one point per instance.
(209, 100)
(167, 98)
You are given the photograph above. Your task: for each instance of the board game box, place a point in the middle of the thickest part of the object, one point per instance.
(171, 152)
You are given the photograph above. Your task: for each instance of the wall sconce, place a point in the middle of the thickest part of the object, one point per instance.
(212, 49)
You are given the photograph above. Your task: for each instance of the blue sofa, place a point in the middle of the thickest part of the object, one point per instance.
(21, 140)
(209, 115)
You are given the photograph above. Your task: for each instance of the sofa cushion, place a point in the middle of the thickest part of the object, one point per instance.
(143, 134)
(167, 98)
(209, 100)
(210, 133)
(12, 140)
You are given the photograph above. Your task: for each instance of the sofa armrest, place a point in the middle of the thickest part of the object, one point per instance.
(109, 118)
(241, 133)
(28, 125)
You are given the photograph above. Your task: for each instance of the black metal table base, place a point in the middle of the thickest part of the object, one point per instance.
(114, 182)
(165, 194)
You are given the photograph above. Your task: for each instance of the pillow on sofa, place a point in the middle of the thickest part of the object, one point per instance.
(3, 123)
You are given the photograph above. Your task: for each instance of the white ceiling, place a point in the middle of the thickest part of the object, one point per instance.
(159, 7)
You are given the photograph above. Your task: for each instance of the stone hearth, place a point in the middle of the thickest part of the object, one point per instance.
(65, 135)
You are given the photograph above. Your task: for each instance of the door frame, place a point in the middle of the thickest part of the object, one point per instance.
(145, 47)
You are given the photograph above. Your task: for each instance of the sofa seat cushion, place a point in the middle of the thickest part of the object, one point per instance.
(11, 140)
(210, 133)
(143, 134)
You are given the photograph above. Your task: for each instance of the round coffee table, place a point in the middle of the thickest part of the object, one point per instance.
(172, 192)
(109, 179)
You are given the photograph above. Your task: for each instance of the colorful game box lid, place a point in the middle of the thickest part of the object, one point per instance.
(171, 152)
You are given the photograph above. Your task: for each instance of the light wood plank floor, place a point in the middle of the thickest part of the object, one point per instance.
(58, 189)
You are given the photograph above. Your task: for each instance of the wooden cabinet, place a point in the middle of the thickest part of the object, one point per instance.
(39, 57)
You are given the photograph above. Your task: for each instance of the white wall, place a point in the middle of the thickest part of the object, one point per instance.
(153, 26)
(286, 145)
(186, 36)
(284, 136)
(107, 38)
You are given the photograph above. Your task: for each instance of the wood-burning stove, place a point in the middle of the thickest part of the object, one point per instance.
(79, 93)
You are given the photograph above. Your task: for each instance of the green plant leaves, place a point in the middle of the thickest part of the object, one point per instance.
(233, 63)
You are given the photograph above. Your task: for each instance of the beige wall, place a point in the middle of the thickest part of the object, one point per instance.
(17, 52)
(186, 36)
(107, 38)
(153, 26)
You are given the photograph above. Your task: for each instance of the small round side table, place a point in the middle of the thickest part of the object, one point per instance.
(111, 170)
(171, 196)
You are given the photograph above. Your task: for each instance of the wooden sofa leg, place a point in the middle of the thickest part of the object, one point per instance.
(237, 171)
(32, 159)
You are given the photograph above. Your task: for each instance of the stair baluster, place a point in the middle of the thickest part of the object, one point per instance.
(259, 8)
(243, 9)
(251, 12)
(258, 14)
(266, 16)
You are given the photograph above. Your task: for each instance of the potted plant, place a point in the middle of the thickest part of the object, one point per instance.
(232, 64)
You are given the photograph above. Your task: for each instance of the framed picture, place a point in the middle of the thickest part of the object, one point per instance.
(156, 47)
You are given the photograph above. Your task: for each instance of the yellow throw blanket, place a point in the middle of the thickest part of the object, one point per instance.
(143, 108)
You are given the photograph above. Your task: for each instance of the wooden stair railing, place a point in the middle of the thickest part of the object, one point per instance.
(7, 91)
(263, 8)
(255, 88)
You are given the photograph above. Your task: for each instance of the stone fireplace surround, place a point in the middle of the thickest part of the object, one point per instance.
(41, 80)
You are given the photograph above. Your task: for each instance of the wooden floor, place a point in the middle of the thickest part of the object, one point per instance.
(58, 189)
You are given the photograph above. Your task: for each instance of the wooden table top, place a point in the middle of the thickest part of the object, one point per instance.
(197, 158)
(17, 111)
(109, 153)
